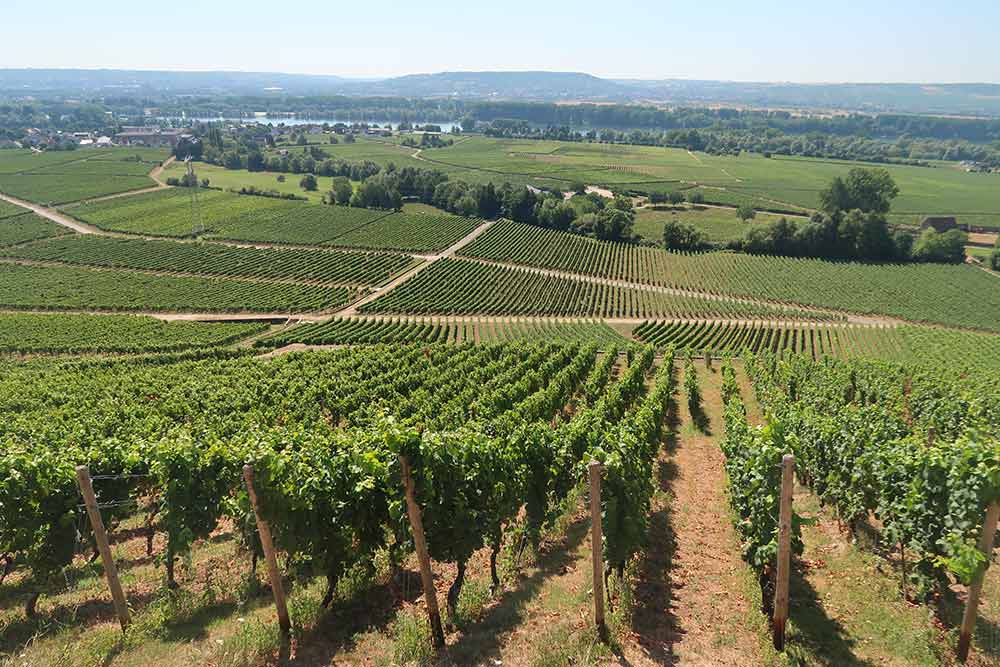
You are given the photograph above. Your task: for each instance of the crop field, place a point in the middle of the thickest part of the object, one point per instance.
(946, 294)
(416, 232)
(214, 259)
(768, 183)
(33, 333)
(224, 215)
(27, 227)
(71, 288)
(53, 189)
(371, 330)
(58, 177)
(462, 287)
(904, 343)
(8, 210)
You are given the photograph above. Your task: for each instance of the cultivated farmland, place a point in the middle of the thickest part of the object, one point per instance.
(73, 334)
(70, 288)
(214, 259)
(940, 293)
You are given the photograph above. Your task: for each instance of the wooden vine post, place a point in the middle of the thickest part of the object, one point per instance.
(101, 537)
(420, 543)
(976, 589)
(273, 573)
(597, 544)
(784, 552)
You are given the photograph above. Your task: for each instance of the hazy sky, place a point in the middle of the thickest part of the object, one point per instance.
(887, 40)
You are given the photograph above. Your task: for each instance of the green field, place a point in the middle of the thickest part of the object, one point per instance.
(775, 183)
(220, 177)
(325, 266)
(463, 287)
(368, 331)
(718, 224)
(74, 334)
(59, 177)
(27, 227)
(941, 293)
(223, 215)
(70, 288)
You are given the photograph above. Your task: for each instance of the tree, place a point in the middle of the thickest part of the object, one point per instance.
(946, 246)
(340, 191)
(995, 257)
(308, 183)
(746, 212)
(870, 190)
(697, 198)
(675, 198)
(682, 236)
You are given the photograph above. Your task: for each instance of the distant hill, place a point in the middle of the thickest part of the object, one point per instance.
(517, 85)
(942, 99)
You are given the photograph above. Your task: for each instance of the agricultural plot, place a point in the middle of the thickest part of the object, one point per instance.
(27, 227)
(960, 296)
(414, 232)
(173, 213)
(224, 215)
(8, 210)
(779, 183)
(905, 343)
(54, 189)
(70, 288)
(326, 266)
(58, 177)
(370, 330)
(31, 333)
(461, 287)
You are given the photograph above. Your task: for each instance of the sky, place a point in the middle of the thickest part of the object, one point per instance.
(883, 41)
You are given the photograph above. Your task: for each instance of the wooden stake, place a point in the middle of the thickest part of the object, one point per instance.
(597, 543)
(976, 589)
(101, 537)
(420, 542)
(264, 530)
(784, 552)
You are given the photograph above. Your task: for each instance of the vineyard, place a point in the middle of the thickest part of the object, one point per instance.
(354, 268)
(70, 288)
(946, 294)
(902, 343)
(462, 287)
(58, 178)
(15, 229)
(345, 477)
(34, 333)
(225, 215)
(369, 330)
(922, 460)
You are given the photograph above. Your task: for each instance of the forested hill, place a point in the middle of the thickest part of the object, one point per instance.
(973, 99)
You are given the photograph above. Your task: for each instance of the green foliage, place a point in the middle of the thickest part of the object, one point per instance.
(859, 433)
(691, 386)
(753, 466)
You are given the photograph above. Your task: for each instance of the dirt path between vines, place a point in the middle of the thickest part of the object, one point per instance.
(691, 605)
(52, 214)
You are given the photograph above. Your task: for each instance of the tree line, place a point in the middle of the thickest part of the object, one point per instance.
(850, 225)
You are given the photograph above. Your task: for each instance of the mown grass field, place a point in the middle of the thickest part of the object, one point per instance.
(719, 224)
(220, 177)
